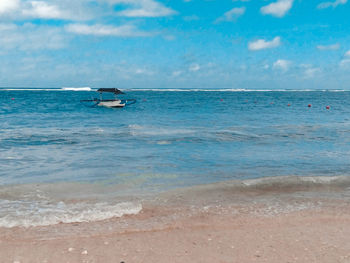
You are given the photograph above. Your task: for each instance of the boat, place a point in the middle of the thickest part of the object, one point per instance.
(109, 103)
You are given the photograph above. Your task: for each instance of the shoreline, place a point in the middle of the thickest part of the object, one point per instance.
(200, 225)
(29, 205)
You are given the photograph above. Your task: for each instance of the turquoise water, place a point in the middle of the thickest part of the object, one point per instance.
(170, 139)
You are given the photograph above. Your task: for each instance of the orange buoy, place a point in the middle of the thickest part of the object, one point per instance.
(309, 105)
(327, 107)
(288, 105)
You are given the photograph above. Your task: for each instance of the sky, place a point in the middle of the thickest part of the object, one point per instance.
(209, 44)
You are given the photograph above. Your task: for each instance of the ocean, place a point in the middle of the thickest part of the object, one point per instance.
(61, 161)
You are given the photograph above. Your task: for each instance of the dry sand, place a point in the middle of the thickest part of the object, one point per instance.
(268, 228)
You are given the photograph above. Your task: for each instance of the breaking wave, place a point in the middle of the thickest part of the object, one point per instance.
(20, 213)
(76, 88)
(137, 130)
(288, 183)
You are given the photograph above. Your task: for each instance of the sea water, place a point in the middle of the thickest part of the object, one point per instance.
(61, 161)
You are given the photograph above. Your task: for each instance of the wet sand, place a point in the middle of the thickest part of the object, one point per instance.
(200, 226)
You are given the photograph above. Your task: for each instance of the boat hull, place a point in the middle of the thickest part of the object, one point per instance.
(111, 103)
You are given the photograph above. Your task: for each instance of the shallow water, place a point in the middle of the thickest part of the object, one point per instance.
(168, 139)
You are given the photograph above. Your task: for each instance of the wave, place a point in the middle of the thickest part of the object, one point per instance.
(76, 88)
(29, 89)
(49, 89)
(138, 130)
(298, 181)
(41, 213)
(265, 196)
(21, 206)
(288, 183)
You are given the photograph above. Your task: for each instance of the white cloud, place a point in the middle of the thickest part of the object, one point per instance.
(263, 44)
(176, 73)
(7, 28)
(106, 30)
(16, 10)
(143, 71)
(282, 64)
(142, 8)
(30, 37)
(334, 4)
(346, 60)
(194, 67)
(329, 47)
(39, 9)
(78, 10)
(309, 71)
(278, 9)
(232, 15)
(8, 6)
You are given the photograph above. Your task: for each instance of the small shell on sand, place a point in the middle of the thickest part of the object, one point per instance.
(70, 249)
(84, 252)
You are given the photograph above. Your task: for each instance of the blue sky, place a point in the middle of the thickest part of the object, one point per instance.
(239, 44)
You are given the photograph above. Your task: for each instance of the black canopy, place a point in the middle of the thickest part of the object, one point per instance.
(113, 90)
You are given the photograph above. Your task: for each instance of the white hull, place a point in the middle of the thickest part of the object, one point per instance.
(112, 104)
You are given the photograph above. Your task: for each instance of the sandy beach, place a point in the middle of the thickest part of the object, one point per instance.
(200, 225)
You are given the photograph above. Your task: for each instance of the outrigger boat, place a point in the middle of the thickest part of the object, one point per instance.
(109, 103)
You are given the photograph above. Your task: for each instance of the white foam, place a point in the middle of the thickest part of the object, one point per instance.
(276, 208)
(296, 179)
(29, 89)
(137, 130)
(41, 213)
(163, 142)
(76, 88)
